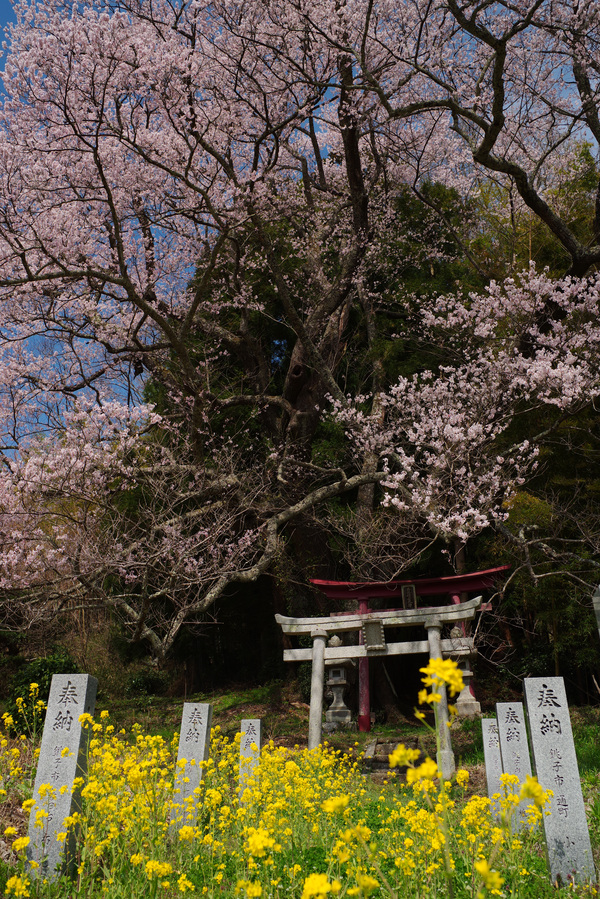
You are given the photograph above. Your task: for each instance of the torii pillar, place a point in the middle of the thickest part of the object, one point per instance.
(364, 686)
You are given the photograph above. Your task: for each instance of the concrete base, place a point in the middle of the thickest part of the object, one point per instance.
(468, 708)
(338, 716)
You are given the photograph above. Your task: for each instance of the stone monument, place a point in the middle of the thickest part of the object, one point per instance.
(493, 762)
(514, 750)
(192, 753)
(567, 836)
(250, 746)
(63, 757)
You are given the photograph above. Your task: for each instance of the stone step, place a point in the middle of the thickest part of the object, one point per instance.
(378, 751)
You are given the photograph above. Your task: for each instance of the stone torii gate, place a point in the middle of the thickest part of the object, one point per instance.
(454, 588)
(371, 625)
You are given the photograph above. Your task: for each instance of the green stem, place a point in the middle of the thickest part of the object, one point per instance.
(377, 867)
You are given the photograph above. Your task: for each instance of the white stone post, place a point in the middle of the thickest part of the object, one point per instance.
(192, 755)
(317, 682)
(250, 747)
(493, 763)
(568, 843)
(445, 755)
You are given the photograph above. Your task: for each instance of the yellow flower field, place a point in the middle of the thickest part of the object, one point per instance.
(308, 825)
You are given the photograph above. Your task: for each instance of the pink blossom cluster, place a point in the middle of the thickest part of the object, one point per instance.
(445, 436)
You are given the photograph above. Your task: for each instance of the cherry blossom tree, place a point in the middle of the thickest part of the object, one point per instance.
(159, 167)
(202, 248)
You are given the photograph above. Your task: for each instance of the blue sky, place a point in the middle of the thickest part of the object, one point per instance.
(6, 12)
(6, 15)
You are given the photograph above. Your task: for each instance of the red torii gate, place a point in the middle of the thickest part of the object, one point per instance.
(452, 587)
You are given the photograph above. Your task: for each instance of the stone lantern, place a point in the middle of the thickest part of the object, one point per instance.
(338, 714)
(463, 652)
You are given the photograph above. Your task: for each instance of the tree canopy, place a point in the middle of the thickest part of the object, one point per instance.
(258, 256)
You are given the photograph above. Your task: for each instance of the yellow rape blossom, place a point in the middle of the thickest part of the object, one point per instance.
(20, 844)
(427, 771)
(319, 885)
(46, 790)
(184, 884)
(253, 889)
(531, 789)
(402, 756)
(417, 836)
(365, 885)
(17, 886)
(462, 777)
(157, 869)
(443, 671)
(259, 841)
(335, 804)
(491, 879)
(187, 833)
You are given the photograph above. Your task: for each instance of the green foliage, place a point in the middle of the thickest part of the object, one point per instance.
(146, 682)
(329, 445)
(313, 859)
(527, 510)
(40, 671)
(5, 872)
(467, 740)
(586, 726)
(303, 677)
(37, 671)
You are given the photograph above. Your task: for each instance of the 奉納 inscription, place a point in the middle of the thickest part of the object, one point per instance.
(493, 762)
(514, 749)
(250, 746)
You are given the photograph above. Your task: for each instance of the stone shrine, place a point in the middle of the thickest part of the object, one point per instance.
(409, 594)
(374, 645)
